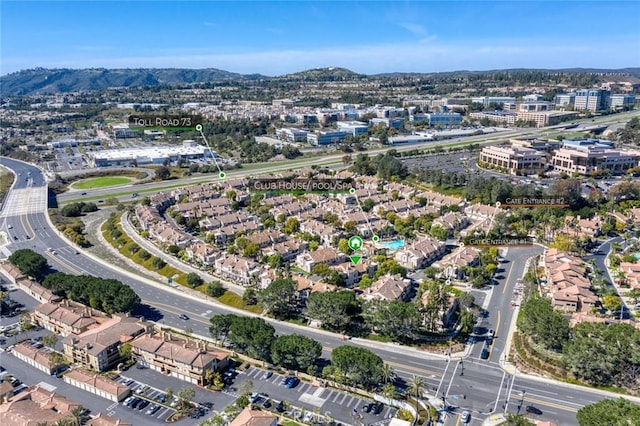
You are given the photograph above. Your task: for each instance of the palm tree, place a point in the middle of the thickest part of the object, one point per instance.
(388, 375)
(79, 416)
(415, 388)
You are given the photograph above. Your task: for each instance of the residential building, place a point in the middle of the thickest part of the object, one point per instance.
(584, 156)
(568, 285)
(622, 100)
(185, 359)
(420, 254)
(513, 159)
(36, 405)
(66, 317)
(97, 384)
(388, 287)
(327, 137)
(355, 128)
(327, 255)
(237, 268)
(250, 417)
(99, 348)
(453, 265)
(592, 100)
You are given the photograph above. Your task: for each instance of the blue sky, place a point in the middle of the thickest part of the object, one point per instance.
(274, 38)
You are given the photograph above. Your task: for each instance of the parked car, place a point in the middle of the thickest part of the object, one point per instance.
(152, 409)
(143, 404)
(267, 374)
(377, 408)
(465, 417)
(279, 407)
(293, 382)
(367, 407)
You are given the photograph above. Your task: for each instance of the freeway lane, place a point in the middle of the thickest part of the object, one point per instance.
(558, 401)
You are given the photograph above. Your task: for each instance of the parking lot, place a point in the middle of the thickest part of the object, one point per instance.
(307, 400)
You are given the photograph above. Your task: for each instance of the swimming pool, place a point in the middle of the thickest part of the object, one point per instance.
(637, 255)
(393, 245)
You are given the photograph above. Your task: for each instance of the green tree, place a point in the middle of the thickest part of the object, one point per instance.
(125, 351)
(291, 226)
(333, 309)
(395, 319)
(359, 366)
(279, 298)
(215, 289)
(343, 246)
(194, 279)
(185, 395)
(158, 263)
(517, 420)
(295, 352)
(618, 412)
(220, 326)
(29, 263)
(250, 297)
(416, 387)
(79, 416)
(544, 324)
(50, 340)
(388, 375)
(252, 336)
(163, 173)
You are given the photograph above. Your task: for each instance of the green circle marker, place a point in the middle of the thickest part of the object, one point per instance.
(222, 175)
(199, 127)
(355, 242)
(375, 238)
(352, 190)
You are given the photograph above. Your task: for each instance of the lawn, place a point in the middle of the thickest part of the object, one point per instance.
(102, 182)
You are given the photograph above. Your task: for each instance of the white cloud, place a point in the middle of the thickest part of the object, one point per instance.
(415, 29)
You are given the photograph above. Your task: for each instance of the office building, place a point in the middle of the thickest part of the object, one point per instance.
(444, 119)
(292, 135)
(584, 156)
(488, 100)
(535, 106)
(514, 159)
(534, 97)
(356, 128)
(565, 99)
(501, 117)
(394, 123)
(592, 100)
(622, 100)
(546, 118)
(156, 155)
(327, 137)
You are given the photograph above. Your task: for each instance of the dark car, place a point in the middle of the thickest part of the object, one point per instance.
(161, 398)
(142, 404)
(134, 402)
(533, 410)
(279, 407)
(293, 382)
(266, 403)
(377, 408)
(485, 353)
(184, 317)
(367, 408)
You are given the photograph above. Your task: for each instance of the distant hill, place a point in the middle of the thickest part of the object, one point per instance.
(326, 74)
(42, 80)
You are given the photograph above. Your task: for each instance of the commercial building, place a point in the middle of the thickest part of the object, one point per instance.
(488, 100)
(155, 155)
(39, 358)
(99, 348)
(292, 135)
(180, 357)
(513, 159)
(584, 156)
(534, 97)
(535, 143)
(407, 139)
(621, 100)
(356, 128)
(327, 137)
(122, 131)
(535, 106)
(592, 100)
(444, 119)
(565, 99)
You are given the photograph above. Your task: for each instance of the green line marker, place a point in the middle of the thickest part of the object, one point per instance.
(355, 259)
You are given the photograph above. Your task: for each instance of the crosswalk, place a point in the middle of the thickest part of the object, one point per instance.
(25, 201)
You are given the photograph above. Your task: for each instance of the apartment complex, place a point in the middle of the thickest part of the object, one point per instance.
(584, 156)
(99, 348)
(513, 158)
(182, 358)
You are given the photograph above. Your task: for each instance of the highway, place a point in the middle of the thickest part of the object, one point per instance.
(480, 386)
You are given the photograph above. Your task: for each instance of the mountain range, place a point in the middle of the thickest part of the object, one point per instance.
(43, 80)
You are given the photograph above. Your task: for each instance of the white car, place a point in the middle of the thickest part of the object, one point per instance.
(465, 417)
